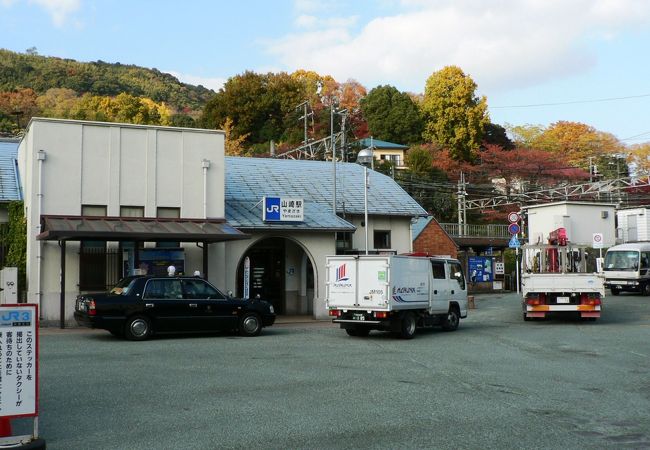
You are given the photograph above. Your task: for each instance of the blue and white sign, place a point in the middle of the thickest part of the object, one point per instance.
(283, 209)
(514, 242)
(18, 360)
(514, 228)
(480, 269)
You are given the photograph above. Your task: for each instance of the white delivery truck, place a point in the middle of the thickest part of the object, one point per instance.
(395, 293)
(556, 280)
(627, 268)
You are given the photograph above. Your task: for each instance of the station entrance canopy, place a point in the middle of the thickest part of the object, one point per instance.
(134, 229)
(77, 228)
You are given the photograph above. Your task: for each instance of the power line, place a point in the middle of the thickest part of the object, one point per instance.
(575, 102)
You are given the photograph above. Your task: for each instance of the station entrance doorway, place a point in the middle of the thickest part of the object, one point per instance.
(280, 272)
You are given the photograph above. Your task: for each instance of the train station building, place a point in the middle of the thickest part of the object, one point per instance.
(106, 200)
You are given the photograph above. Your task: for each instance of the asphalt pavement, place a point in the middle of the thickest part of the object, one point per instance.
(496, 382)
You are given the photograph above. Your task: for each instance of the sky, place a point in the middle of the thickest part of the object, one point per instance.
(536, 61)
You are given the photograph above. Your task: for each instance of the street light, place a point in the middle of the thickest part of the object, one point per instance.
(365, 158)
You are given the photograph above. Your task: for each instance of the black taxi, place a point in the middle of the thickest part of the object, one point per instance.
(140, 306)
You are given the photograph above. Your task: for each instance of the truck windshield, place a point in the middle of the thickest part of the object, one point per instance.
(622, 260)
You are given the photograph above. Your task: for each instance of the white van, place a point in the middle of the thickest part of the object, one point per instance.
(627, 268)
(395, 293)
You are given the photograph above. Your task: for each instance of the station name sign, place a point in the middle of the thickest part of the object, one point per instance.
(283, 209)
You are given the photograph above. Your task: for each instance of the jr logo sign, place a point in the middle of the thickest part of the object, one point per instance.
(272, 208)
(15, 318)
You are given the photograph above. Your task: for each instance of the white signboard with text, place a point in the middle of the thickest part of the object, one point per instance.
(18, 360)
(597, 240)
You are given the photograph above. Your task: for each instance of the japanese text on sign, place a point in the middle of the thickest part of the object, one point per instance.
(18, 363)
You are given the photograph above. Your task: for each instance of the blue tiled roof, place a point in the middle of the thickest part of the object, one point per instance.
(365, 142)
(9, 183)
(245, 214)
(249, 179)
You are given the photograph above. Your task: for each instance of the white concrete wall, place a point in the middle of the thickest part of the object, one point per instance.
(581, 221)
(399, 226)
(642, 224)
(92, 163)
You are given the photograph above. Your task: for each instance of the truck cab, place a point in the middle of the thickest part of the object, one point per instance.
(627, 268)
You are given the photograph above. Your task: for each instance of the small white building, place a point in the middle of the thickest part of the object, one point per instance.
(580, 219)
(633, 225)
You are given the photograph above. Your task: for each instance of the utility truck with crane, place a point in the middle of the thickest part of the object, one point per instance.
(556, 279)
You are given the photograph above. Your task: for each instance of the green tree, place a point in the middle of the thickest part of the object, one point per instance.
(15, 239)
(419, 160)
(454, 117)
(392, 115)
(524, 136)
(57, 102)
(495, 134)
(261, 106)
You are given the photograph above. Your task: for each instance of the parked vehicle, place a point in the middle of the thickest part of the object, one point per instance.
(627, 268)
(555, 280)
(397, 293)
(140, 306)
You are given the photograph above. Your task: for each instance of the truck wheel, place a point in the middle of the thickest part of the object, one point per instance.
(407, 326)
(451, 321)
(645, 290)
(363, 332)
(358, 332)
(615, 291)
(137, 328)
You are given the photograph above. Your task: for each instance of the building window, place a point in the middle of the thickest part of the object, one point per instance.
(343, 243)
(131, 211)
(168, 213)
(394, 159)
(382, 239)
(93, 210)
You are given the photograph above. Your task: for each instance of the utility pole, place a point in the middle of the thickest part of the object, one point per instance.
(344, 116)
(333, 155)
(462, 211)
(304, 117)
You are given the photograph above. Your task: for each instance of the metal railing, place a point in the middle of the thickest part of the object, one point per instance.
(468, 230)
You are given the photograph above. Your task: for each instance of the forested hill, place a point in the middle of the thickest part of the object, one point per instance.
(40, 73)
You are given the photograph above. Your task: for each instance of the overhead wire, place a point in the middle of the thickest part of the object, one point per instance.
(574, 102)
